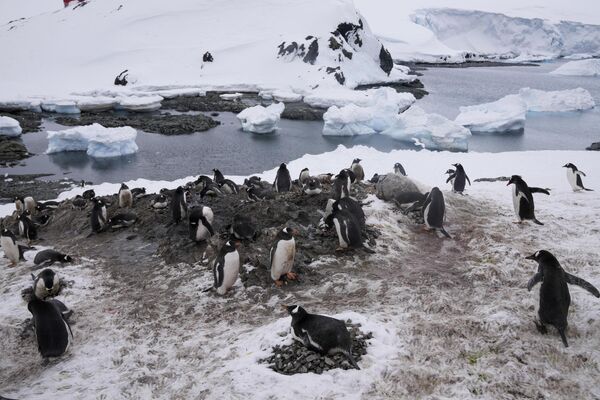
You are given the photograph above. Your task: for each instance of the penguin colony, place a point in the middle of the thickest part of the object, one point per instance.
(342, 214)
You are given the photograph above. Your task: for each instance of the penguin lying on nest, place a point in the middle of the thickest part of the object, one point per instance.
(322, 334)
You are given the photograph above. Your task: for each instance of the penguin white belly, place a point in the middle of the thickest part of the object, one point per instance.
(231, 270)
(21, 228)
(338, 229)
(207, 212)
(426, 215)
(11, 249)
(516, 201)
(283, 259)
(201, 232)
(182, 208)
(572, 178)
(103, 216)
(312, 191)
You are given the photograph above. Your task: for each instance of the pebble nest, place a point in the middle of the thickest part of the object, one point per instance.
(296, 359)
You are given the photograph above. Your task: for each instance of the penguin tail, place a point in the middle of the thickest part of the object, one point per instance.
(208, 289)
(368, 250)
(351, 360)
(588, 190)
(561, 331)
(537, 222)
(445, 233)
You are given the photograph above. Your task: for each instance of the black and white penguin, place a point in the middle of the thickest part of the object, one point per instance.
(283, 180)
(218, 176)
(211, 189)
(304, 177)
(257, 193)
(376, 178)
(434, 211)
(122, 220)
(22, 250)
(27, 228)
(52, 330)
(399, 169)
(226, 267)
(47, 205)
(202, 181)
(242, 227)
(42, 219)
(226, 186)
(79, 202)
(312, 186)
(45, 284)
(341, 185)
(200, 223)
(325, 178)
(574, 177)
(138, 193)
(178, 205)
(357, 169)
(346, 204)
(50, 256)
(19, 204)
(451, 173)
(10, 246)
(89, 194)
(523, 199)
(125, 197)
(348, 230)
(555, 298)
(98, 218)
(159, 202)
(322, 334)
(282, 256)
(459, 179)
(350, 174)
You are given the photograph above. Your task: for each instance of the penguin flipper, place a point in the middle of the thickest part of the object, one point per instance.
(561, 332)
(539, 190)
(580, 173)
(582, 283)
(537, 222)
(535, 279)
(452, 177)
(468, 180)
(588, 190)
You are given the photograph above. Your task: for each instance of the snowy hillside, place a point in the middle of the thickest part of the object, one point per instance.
(258, 44)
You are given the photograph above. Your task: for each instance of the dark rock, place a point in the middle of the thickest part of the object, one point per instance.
(498, 179)
(386, 63)
(284, 50)
(30, 121)
(210, 102)
(337, 74)
(415, 87)
(594, 146)
(12, 149)
(207, 57)
(334, 44)
(302, 111)
(347, 53)
(313, 52)
(393, 186)
(351, 32)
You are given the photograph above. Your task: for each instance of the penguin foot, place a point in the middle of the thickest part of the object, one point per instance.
(279, 283)
(340, 249)
(292, 276)
(540, 327)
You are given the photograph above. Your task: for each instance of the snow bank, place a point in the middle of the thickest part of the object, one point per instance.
(20, 104)
(557, 101)
(139, 103)
(579, 68)
(96, 103)
(9, 127)
(259, 119)
(95, 140)
(325, 98)
(504, 115)
(60, 106)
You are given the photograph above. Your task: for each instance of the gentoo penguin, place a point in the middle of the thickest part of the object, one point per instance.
(357, 169)
(325, 178)
(320, 333)
(304, 177)
(202, 181)
(225, 185)
(283, 180)
(46, 284)
(98, 218)
(348, 230)
(399, 169)
(10, 246)
(42, 219)
(218, 176)
(122, 220)
(159, 202)
(27, 228)
(22, 250)
(554, 292)
(178, 205)
(49, 257)
(89, 194)
(376, 178)
(19, 206)
(200, 223)
(574, 177)
(242, 227)
(434, 211)
(47, 205)
(51, 328)
(346, 204)
(226, 267)
(138, 192)
(311, 186)
(341, 185)
(211, 189)
(523, 199)
(282, 257)
(79, 202)
(459, 179)
(350, 174)
(29, 204)
(451, 173)
(256, 193)
(125, 197)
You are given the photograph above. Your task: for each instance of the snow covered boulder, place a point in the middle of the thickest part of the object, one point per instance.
(589, 67)
(95, 140)
(9, 127)
(558, 100)
(504, 115)
(139, 103)
(259, 119)
(392, 186)
(431, 131)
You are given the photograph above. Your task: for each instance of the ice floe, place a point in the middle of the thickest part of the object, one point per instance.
(557, 100)
(9, 127)
(589, 67)
(259, 119)
(504, 115)
(95, 140)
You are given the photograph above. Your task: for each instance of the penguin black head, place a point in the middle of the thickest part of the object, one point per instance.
(571, 166)
(374, 179)
(287, 233)
(7, 232)
(343, 174)
(231, 246)
(124, 186)
(282, 166)
(179, 190)
(515, 179)
(48, 276)
(449, 171)
(67, 258)
(543, 257)
(99, 202)
(356, 161)
(82, 183)
(458, 166)
(435, 191)
(297, 312)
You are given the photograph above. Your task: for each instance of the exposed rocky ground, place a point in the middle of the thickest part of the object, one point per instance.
(12, 186)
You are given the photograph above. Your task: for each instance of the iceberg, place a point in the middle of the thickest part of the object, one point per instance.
(557, 101)
(340, 97)
(139, 103)
(504, 115)
(589, 67)
(259, 119)
(9, 127)
(95, 140)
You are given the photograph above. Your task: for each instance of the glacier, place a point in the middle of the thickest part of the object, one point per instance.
(259, 119)
(95, 140)
(9, 127)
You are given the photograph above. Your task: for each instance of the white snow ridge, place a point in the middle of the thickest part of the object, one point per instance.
(589, 67)
(95, 140)
(259, 119)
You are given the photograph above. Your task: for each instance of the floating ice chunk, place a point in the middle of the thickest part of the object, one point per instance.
(340, 97)
(95, 104)
(589, 67)
(259, 119)
(504, 115)
(95, 139)
(60, 106)
(432, 131)
(231, 96)
(9, 127)
(557, 101)
(140, 103)
(184, 92)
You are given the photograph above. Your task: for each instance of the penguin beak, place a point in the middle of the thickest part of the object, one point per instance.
(564, 166)
(531, 257)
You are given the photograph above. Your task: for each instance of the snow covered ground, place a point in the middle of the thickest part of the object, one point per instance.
(451, 318)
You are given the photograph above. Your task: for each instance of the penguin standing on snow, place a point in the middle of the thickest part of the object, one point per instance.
(283, 180)
(125, 197)
(523, 199)
(10, 246)
(46, 284)
(226, 267)
(51, 327)
(341, 185)
(434, 211)
(49, 257)
(322, 334)
(27, 228)
(459, 179)
(178, 205)
(283, 253)
(450, 172)
(98, 219)
(554, 292)
(574, 177)
(357, 169)
(304, 177)
(399, 169)
(200, 223)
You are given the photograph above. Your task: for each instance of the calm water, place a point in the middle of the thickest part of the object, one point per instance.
(241, 153)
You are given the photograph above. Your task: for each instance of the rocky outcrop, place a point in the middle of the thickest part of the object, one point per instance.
(594, 146)
(11, 150)
(393, 187)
